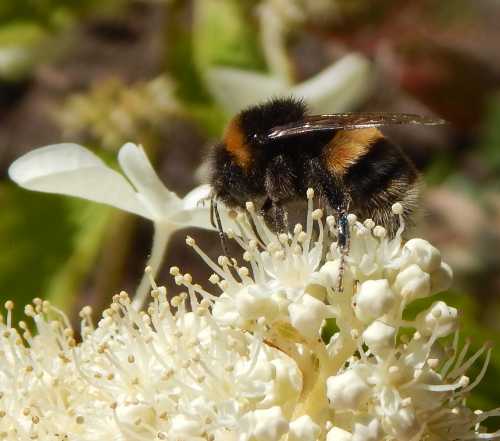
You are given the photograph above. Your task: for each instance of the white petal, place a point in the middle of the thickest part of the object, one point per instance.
(73, 170)
(160, 201)
(197, 196)
(195, 210)
(338, 88)
(236, 89)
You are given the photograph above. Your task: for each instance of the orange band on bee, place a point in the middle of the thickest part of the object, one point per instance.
(347, 146)
(234, 141)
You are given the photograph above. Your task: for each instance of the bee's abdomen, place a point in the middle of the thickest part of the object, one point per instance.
(382, 176)
(381, 167)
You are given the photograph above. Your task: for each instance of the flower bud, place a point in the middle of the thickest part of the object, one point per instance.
(264, 424)
(347, 391)
(379, 336)
(369, 432)
(422, 253)
(307, 316)
(303, 429)
(440, 319)
(338, 434)
(252, 305)
(330, 271)
(374, 299)
(413, 283)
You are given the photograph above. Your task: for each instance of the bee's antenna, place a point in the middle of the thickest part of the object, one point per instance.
(222, 234)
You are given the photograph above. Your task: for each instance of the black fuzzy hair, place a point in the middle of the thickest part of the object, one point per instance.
(258, 120)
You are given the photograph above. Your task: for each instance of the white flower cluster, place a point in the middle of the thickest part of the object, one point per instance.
(142, 376)
(250, 364)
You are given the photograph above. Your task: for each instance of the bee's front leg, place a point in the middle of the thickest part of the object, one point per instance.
(275, 216)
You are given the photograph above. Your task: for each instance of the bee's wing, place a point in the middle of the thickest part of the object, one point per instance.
(348, 121)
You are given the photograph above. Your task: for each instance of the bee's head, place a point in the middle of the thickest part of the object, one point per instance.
(257, 121)
(236, 163)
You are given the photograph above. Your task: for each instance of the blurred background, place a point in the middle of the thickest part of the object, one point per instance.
(168, 75)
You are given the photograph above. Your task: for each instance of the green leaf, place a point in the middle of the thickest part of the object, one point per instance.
(48, 244)
(91, 221)
(491, 136)
(20, 44)
(224, 35)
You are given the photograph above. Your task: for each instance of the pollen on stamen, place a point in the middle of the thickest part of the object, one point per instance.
(397, 208)
(379, 231)
(317, 214)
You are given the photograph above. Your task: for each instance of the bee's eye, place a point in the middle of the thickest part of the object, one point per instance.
(259, 139)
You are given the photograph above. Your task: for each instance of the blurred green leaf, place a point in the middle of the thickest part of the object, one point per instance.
(180, 57)
(49, 244)
(49, 12)
(20, 44)
(224, 35)
(490, 144)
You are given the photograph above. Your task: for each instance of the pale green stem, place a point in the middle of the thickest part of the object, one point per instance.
(162, 233)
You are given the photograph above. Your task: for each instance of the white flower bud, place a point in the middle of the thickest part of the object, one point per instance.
(413, 283)
(374, 299)
(338, 434)
(252, 305)
(379, 336)
(370, 432)
(331, 272)
(440, 319)
(303, 429)
(346, 391)
(441, 278)
(422, 253)
(307, 316)
(264, 424)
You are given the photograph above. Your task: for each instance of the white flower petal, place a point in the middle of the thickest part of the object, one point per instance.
(236, 89)
(73, 170)
(341, 87)
(153, 192)
(195, 211)
(197, 196)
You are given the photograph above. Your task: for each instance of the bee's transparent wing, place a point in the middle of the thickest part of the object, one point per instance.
(349, 121)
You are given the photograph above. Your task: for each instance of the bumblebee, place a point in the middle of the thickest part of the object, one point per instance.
(273, 152)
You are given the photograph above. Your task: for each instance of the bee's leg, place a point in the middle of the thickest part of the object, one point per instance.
(343, 242)
(254, 230)
(275, 216)
(222, 234)
(212, 221)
